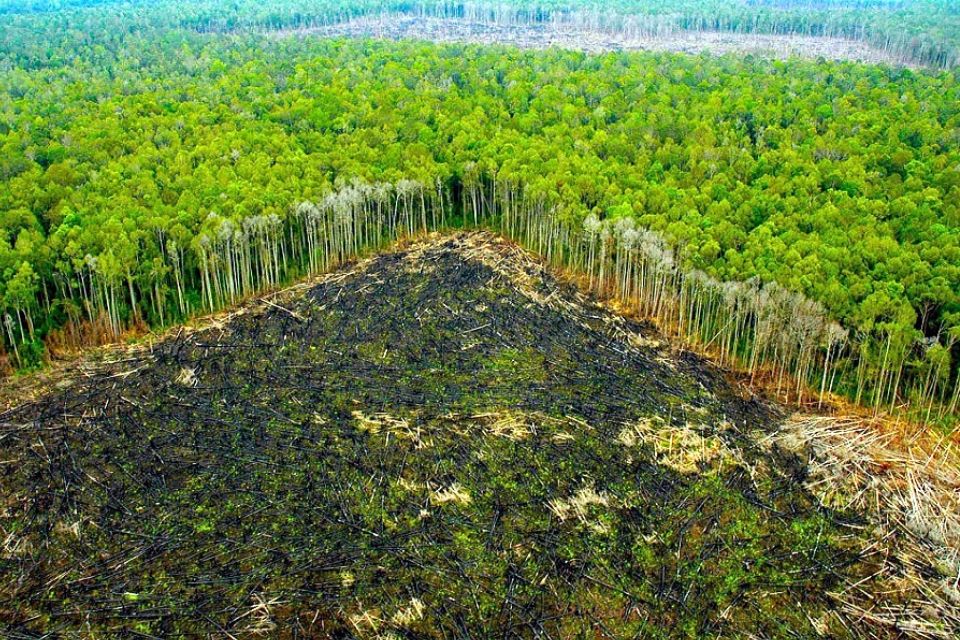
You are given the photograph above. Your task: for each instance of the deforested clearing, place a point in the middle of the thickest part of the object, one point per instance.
(446, 441)
(543, 35)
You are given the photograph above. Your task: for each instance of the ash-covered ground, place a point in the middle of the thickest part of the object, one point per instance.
(439, 442)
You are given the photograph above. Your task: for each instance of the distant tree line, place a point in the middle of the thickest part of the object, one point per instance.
(800, 218)
(925, 32)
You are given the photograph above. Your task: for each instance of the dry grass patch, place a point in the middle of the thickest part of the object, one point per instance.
(578, 506)
(365, 621)
(683, 449)
(390, 426)
(513, 425)
(187, 377)
(516, 425)
(409, 615)
(454, 493)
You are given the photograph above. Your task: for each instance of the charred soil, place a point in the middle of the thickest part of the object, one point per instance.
(442, 441)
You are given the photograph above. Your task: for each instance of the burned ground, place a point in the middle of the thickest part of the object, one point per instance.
(439, 442)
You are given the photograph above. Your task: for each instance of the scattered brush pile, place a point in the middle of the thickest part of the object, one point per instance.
(909, 483)
(444, 442)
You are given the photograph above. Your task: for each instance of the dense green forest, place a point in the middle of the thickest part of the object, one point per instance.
(801, 217)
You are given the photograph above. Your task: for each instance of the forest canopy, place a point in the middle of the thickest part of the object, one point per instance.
(140, 142)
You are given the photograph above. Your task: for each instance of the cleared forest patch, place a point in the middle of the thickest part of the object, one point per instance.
(442, 441)
(564, 36)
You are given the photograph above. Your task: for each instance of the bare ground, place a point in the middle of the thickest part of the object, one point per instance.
(546, 35)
